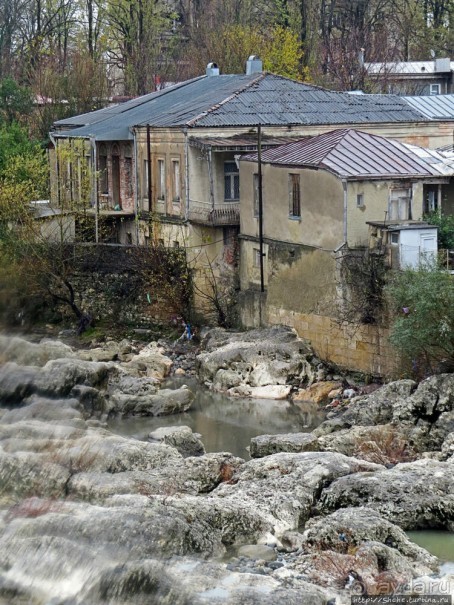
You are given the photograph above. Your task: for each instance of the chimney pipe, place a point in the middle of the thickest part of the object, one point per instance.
(212, 69)
(254, 65)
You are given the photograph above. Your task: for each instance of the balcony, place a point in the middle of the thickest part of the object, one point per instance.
(222, 214)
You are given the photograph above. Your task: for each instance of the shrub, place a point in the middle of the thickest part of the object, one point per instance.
(422, 330)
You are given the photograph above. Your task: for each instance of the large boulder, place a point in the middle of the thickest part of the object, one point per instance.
(264, 445)
(25, 353)
(243, 363)
(283, 488)
(181, 438)
(424, 413)
(161, 403)
(150, 362)
(414, 495)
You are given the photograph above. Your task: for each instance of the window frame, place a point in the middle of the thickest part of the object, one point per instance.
(176, 181)
(294, 195)
(233, 177)
(161, 192)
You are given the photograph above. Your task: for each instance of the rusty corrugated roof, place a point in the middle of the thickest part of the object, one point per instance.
(350, 153)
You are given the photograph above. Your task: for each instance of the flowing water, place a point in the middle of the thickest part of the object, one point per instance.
(227, 424)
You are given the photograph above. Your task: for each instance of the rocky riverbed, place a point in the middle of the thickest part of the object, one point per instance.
(89, 517)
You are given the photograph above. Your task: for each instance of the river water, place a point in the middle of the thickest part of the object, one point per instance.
(227, 424)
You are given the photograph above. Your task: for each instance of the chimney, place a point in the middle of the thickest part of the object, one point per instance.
(253, 65)
(212, 70)
(361, 58)
(442, 65)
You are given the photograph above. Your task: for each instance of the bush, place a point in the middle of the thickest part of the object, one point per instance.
(422, 303)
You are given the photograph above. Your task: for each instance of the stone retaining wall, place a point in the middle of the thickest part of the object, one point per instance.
(365, 348)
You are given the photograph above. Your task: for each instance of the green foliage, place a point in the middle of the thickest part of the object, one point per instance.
(15, 101)
(445, 226)
(14, 141)
(278, 47)
(422, 304)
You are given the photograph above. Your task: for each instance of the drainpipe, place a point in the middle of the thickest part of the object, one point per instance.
(186, 176)
(95, 187)
(344, 187)
(136, 184)
(210, 174)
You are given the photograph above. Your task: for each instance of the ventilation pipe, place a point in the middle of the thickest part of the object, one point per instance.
(212, 69)
(254, 65)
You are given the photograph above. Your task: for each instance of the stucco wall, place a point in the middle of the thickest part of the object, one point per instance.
(321, 196)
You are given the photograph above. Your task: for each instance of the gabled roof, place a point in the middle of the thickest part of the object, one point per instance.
(352, 154)
(434, 107)
(238, 101)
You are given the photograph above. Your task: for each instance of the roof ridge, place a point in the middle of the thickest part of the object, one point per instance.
(193, 121)
(345, 132)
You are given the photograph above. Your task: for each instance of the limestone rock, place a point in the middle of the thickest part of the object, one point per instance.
(413, 495)
(25, 353)
(162, 403)
(181, 438)
(244, 363)
(264, 445)
(150, 362)
(347, 528)
(318, 392)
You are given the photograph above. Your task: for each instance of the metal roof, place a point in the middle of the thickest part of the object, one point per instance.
(434, 107)
(240, 142)
(404, 68)
(353, 154)
(235, 101)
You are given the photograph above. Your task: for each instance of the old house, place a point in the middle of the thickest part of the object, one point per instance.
(165, 162)
(426, 78)
(164, 166)
(320, 198)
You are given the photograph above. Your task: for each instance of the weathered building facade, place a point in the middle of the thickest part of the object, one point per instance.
(319, 199)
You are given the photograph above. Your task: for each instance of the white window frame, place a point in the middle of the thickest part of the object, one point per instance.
(176, 181)
(360, 200)
(161, 179)
(435, 89)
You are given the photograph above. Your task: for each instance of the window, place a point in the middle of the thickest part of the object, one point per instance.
(161, 180)
(128, 176)
(256, 257)
(399, 204)
(294, 195)
(231, 182)
(103, 175)
(394, 238)
(360, 200)
(176, 183)
(256, 194)
(435, 89)
(431, 202)
(145, 179)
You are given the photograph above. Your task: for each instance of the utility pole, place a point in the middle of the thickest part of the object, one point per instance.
(259, 155)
